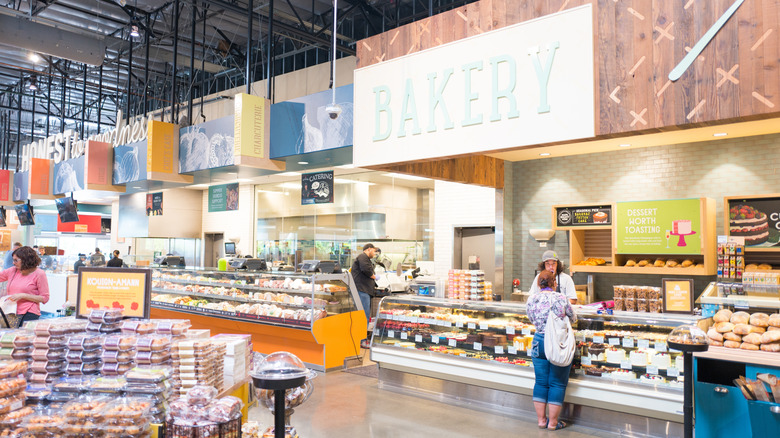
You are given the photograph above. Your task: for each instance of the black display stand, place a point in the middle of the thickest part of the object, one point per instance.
(279, 387)
(688, 350)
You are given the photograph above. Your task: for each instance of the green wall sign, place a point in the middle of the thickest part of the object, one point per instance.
(659, 227)
(223, 198)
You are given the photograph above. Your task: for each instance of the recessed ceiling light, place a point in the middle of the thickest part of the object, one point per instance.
(303, 163)
(625, 145)
(720, 134)
(544, 154)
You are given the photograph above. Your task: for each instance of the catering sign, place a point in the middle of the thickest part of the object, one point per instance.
(114, 288)
(526, 84)
(659, 227)
(317, 188)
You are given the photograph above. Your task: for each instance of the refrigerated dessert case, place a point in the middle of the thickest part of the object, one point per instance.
(622, 362)
(318, 317)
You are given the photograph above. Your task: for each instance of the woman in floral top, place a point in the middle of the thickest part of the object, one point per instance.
(551, 380)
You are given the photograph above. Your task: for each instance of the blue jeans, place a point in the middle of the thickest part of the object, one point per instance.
(551, 380)
(365, 299)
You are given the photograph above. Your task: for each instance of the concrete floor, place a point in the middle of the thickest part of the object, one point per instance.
(349, 405)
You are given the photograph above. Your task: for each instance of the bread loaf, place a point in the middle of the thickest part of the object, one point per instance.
(751, 267)
(730, 336)
(769, 337)
(773, 347)
(671, 263)
(723, 315)
(765, 267)
(687, 263)
(715, 343)
(748, 346)
(643, 263)
(659, 263)
(724, 327)
(742, 329)
(731, 344)
(759, 319)
(713, 334)
(631, 262)
(772, 329)
(774, 320)
(757, 329)
(753, 338)
(740, 318)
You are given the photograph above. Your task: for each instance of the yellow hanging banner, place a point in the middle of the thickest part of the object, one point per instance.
(253, 132)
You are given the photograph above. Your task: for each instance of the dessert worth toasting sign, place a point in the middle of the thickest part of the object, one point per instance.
(659, 227)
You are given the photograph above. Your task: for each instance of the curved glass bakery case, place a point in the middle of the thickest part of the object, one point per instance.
(288, 311)
(622, 362)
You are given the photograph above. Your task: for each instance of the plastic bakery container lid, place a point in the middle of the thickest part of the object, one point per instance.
(280, 370)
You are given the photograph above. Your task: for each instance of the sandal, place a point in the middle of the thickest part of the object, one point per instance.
(545, 424)
(559, 426)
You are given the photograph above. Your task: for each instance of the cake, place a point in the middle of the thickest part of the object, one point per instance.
(599, 217)
(638, 358)
(652, 378)
(681, 227)
(623, 374)
(596, 352)
(615, 355)
(679, 363)
(745, 221)
(662, 361)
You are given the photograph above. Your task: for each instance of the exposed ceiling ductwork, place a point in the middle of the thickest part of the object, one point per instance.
(43, 39)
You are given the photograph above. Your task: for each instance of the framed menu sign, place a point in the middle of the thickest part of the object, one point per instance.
(582, 216)
(678, 295)
(114, 288)
(754, 218)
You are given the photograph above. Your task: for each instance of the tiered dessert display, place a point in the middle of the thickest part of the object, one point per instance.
(315, 310)
(622, 355)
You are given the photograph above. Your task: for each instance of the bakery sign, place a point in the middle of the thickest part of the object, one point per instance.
(659, 227)
(757, 220)
(583, 216)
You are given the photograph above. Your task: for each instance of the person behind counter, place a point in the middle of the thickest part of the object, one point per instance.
(551, 380)
(365, 281)
(27, 284)
(97, 258)
(80, 262)
(565, 285)
(115, 261)
(8, 262)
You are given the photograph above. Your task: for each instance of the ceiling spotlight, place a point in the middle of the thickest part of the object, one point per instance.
(625, 145)
(32, 86)
(720, 134)
(134, 32)
(544, 154)
(34, 57)
(303, 163)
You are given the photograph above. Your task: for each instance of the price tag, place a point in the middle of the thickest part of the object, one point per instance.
(511, 350)
(463, 355)
(674, 350)
(525, 331)
(652, 369)
(414, 319)
(585, 361)
(418, 338)
(660, 347)
(628, 343)
(673, 372)
(478, 346)
(435, 339)
(453, 343)
(499, 349)
(579, 337)
(614, 341)
(510, 330)
(404, 335)
(472, 326)
(447, 324)
(390, 334)
(598, 339)
(483, 326)
(625, 364)
(643, 343)
(459, 324)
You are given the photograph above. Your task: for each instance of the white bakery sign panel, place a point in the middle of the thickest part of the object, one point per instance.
(525, 84)
(659, 227)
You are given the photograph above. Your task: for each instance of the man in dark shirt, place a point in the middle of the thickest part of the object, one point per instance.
(79, 263)
(115, 262)
(363, 274)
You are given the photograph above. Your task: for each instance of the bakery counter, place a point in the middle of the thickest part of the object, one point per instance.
(757, 358)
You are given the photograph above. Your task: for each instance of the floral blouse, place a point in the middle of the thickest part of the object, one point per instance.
(539, 305)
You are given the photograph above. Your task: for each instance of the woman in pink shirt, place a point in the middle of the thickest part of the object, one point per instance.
(27, 284)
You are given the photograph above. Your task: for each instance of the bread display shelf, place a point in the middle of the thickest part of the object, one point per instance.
(643, 270)
(764, 358)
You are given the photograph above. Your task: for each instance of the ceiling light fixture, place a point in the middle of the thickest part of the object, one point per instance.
(32, 86)
(544, 154)
(720, 134)
(625, 145)
(34, 57)
(134, 32)
(303, 163)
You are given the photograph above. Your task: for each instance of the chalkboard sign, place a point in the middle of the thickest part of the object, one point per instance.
(317, 188)
(583, 216)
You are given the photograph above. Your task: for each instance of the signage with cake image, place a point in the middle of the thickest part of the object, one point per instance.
(757, 220)
(582, 216)
(659, 227)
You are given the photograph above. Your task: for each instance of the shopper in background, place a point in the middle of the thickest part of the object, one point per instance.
(115, 261)
(565, 285)
(80, 262)
(365, 281)
(551, 380)
(27, 284)
(97, 258)
(9, 255)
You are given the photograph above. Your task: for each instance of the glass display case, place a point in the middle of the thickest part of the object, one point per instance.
(279, 298)
(465, 341)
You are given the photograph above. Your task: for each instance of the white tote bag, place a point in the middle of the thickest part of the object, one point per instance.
(558, 340)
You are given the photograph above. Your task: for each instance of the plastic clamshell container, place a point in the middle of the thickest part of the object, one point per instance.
(12, 386)
(108, 316)
(173, 326)
(120, 342)
(79, 356)
(149, 374)
(62, 397)
(22, 354)
(83, 368)
(50, 342)
(141, 327)
(45, 377)
(49, 353)
(72, 384)
(127, 410)
(96, 327)
(54, 366)
(45, 423)
(108, 384)
(68, 327)
(153, 343)
(140, 429)
(115, 368)
(12, 368)
(16, 338)
(151, 391)
(37, 392)
(152, 357)
(85, 408)
(84, 342)
(193, 345)
(123, 356)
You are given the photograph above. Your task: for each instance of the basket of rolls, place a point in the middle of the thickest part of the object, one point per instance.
(757, 331)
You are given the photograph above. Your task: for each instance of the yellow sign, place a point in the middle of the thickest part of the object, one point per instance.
(106, 288)
(5, 240)
(81, 228)
(251, 126)
(159, 147)
(678, 296)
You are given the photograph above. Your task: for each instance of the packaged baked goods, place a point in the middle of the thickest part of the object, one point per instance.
(127, 411)
(224, 409)
(98, 328)
(105, 316)
(641, 305)
(141, 327)
(79, 356)
(53, 366)
(84, 415)
(618, 291)
(620, 304)
(173, 326)
(200, 395)
(44, 377)
(17, 339)
(36, 393)
(83, 368)
(115, 368)
(153, 343)
(108, 384)
(42, 424)
(152, 357)
(630, 292)
(123, 356)
(12, 368)
(631, 304)
(119, 342)
(74, 384)
(12, 386)
(149, 374)
(49, 341)
(655, 305)
(84, 342)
